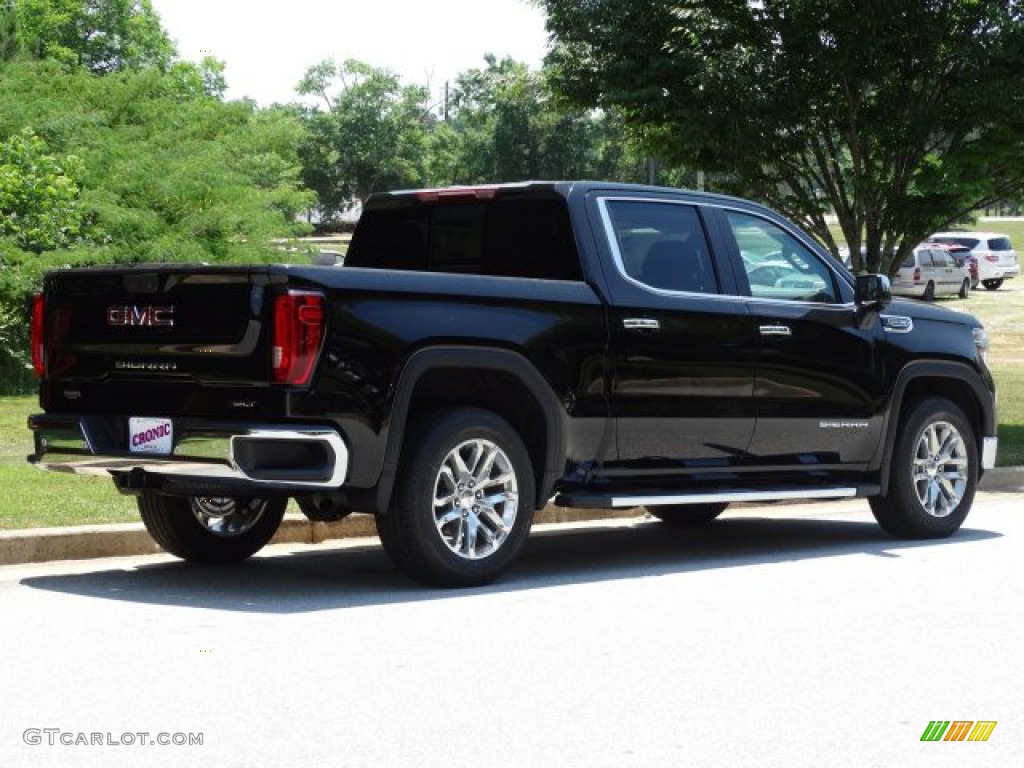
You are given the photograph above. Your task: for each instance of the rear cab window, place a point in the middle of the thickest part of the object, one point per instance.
(506, 237)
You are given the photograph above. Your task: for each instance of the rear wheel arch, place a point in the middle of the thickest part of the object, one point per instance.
(957, 382)
(501, 381)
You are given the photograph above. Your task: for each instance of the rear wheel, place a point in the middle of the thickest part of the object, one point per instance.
(965, 289)
(929, 292)
(933, 474)
(211, 529)
(463, 502)
(992, 285)
(687, 515)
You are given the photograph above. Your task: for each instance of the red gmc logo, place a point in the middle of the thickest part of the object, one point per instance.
(156, 317)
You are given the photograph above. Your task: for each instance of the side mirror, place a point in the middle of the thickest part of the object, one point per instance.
(872, 291)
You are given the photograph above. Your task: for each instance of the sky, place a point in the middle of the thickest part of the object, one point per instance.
(268, 46)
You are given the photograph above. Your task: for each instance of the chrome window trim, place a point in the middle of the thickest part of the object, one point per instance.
(620, 265)
(613, 244)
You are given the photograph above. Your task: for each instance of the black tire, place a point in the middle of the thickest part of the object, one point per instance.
(933, 474)
(992, 285)
(965, 289)
(686, 515)
(234, 529)
(929, 292)
(451, 553)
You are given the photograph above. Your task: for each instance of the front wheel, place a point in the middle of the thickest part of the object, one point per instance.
(933, 474)
(686, 515)
(463, 502)
(211, 529)
(992, 285)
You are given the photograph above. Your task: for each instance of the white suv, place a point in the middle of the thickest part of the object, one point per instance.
(997, 261)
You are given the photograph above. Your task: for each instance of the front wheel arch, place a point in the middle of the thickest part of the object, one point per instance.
(935, 473)
(919, 379)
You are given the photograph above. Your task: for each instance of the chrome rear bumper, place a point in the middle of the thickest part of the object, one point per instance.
(299, 457)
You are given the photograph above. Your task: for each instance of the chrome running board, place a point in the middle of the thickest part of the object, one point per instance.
(622, 501)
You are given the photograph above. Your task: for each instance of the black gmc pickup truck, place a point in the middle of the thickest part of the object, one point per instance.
(485, 350)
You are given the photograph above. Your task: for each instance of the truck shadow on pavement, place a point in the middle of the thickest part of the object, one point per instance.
(360, 575)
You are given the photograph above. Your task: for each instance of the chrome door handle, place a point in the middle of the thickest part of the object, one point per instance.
(776, 330)
(641, 324)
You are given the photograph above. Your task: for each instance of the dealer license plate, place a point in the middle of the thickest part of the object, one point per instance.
(147, 435)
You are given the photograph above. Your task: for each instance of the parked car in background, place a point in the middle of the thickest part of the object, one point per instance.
(932, 271)
(964, 257)
(997, 260)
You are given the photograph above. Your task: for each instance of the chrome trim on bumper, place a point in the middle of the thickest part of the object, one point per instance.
(65, 445)
(989, 448)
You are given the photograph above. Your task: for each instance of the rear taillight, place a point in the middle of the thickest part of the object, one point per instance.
(38, 336)
(298, 333)
(917, 274)
(992, 257)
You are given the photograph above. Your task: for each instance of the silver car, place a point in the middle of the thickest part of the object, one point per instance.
(932, 271)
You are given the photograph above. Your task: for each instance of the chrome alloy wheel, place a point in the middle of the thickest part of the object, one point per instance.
(476, 498)
(940, 469)
(227, 517)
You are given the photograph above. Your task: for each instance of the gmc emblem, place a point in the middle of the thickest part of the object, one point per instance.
(155, 317)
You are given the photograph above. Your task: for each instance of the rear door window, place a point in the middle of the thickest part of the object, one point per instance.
(999, 244)
(662, 246)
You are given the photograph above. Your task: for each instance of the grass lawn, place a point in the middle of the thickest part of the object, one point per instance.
(31, 498)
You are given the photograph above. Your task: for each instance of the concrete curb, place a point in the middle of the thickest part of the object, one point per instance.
(37, 545)
(1003, 480)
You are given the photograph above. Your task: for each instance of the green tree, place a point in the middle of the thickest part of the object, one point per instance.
(897, 115)
(39, 199)
(511, 127)
(168, 173)
(368, 134)
(8, 31)
(495, 110)
(101, 35)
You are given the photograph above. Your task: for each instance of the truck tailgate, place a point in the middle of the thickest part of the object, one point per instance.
(163, 339)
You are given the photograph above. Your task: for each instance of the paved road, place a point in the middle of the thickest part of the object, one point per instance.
(797, 636)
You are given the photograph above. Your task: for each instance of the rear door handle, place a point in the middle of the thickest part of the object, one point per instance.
(776, 330)
(641, 324)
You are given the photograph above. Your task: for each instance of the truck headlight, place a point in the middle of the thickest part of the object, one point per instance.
(981, 344)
